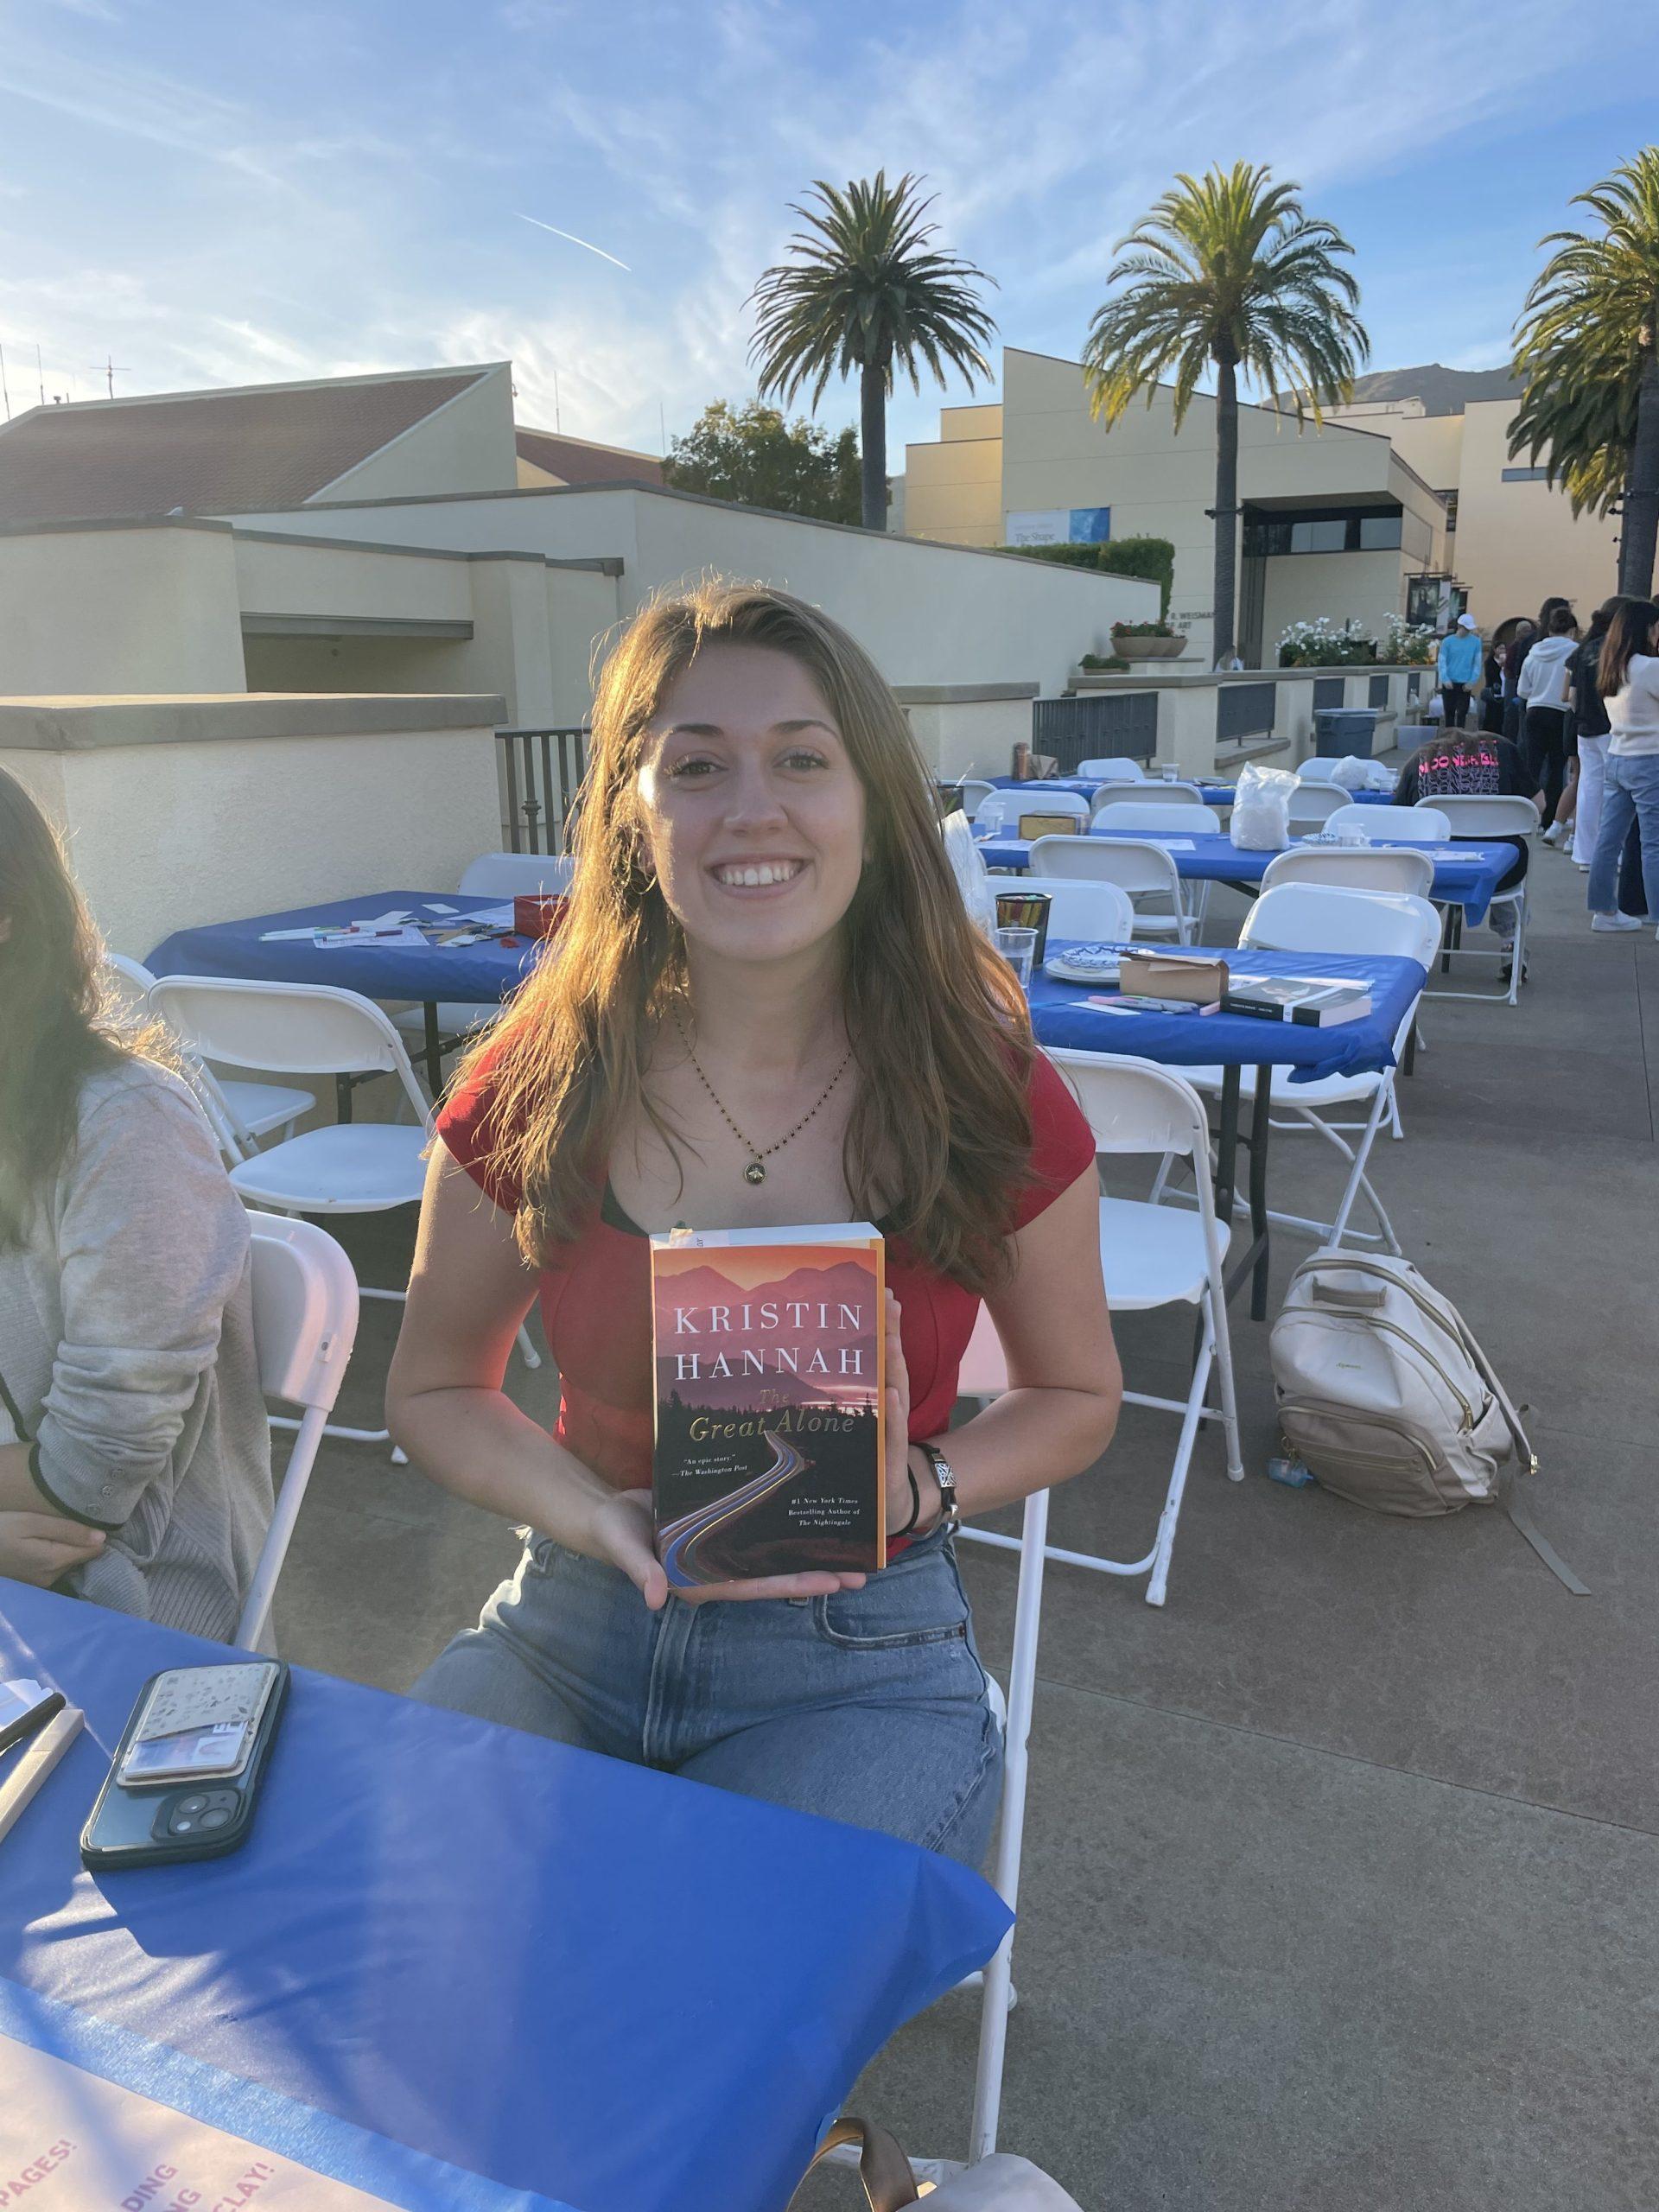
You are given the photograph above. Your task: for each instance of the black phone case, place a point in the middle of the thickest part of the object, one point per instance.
(122, 1829)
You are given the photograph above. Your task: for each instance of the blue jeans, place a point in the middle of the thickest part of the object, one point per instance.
(1629, 792)
(867, 1707)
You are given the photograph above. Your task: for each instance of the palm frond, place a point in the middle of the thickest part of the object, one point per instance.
(864, 287)
(1228, 266)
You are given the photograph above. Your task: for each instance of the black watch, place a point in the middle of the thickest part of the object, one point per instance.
(943, 1474)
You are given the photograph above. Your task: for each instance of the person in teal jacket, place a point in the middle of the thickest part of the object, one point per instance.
(1458, 669)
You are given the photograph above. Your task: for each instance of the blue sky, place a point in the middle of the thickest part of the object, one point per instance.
(218, 194)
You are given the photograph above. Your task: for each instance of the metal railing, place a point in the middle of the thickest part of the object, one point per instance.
(1107, 725)
(1245, 710)
(541, 772)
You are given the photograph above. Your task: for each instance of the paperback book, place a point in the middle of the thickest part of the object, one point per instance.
(767, 1356)
(1315, 1001)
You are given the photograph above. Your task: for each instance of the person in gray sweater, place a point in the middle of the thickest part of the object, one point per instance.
(135, 1455)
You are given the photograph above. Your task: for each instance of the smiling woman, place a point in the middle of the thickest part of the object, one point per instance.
(768, 1009)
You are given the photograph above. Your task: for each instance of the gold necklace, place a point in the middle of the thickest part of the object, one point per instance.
(756, 1170)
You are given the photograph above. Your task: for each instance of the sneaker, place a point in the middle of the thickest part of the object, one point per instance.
(1615, 921)
(1553, 834)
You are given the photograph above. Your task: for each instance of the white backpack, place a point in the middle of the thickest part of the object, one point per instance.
(1388, 1400)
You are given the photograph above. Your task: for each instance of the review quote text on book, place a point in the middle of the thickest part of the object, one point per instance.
(767, 1358)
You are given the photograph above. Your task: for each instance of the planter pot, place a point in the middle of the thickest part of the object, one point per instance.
(1129, 648)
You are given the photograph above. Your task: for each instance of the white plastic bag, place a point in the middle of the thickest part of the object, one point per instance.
(967, 863)
(1351, 772)
(1261, 821)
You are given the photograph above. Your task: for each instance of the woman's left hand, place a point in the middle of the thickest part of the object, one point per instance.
(897, 1420)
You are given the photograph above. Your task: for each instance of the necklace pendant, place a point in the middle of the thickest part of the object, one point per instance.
(754, 1173)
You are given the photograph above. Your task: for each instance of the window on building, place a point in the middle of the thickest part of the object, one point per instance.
(1330, 530)
(1526, 475)
(1318, 536)
(1379, 533)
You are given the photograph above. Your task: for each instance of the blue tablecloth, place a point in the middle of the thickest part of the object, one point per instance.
(1061, 1017)
(476, 973)
(588, 1983)
(1465, 873)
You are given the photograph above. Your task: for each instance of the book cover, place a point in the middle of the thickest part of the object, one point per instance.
(767, 1358)
(1317, 1001)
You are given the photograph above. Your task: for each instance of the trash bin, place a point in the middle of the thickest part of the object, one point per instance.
(1337, 730)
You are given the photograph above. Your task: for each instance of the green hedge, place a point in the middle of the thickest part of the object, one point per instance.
(1151, 558)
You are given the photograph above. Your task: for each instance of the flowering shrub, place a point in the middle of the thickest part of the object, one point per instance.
(1324, 644)
(1407, 643)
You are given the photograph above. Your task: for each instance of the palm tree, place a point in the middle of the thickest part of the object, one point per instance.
(864, 293)
(1587, 353)
(1227, 272)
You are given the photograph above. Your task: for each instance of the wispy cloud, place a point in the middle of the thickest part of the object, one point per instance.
(363, 216)
(586, 245)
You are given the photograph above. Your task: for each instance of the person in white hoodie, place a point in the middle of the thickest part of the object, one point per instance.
(1544, 689)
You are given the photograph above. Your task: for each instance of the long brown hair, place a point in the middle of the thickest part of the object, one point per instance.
(1630, 632)
(938, 1026)
(55, 1027)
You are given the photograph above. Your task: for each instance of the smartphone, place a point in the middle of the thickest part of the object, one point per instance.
(184, 1782)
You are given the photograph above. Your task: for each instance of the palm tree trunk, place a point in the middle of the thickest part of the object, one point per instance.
(872, 444)
(1639, 534)
(1226, 506)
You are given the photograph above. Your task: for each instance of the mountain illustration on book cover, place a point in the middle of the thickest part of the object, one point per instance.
(767, 1356)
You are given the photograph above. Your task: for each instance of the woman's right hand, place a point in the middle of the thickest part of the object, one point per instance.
(619, 1531)
(38, 1547)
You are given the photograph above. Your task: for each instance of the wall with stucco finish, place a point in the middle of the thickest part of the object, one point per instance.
(141, 608)
(298, 800)
(928, 613)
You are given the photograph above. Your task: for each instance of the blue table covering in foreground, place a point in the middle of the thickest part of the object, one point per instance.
(1062, 1018)
(576, 1978)
(475, 974)
(1465, 873)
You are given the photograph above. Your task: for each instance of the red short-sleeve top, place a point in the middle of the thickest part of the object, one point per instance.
(595, 1290)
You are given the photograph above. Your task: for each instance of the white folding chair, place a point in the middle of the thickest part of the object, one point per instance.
(495, 877)
(1114, 769)
(975, 790)
(1159, 817)
(1177, 794)
(1352, 867)
(305, 1309)
(984, 1375)
(347, 1166)
(240, 1113)
(1087, 913)
(1420, 825)
(1134, 1106)
(1316, 918)
(1311, 804)
(1479, 814)
(1141, 869)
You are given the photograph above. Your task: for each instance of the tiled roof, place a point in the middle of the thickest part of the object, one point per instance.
(271, 445)
(578, 460)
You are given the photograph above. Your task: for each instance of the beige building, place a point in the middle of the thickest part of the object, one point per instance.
(1333, 525)
(371, 536)
(1512, 537)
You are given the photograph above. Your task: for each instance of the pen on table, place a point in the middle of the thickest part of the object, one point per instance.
(35, 1763)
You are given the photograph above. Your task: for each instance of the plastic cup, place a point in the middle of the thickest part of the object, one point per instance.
(1019, 948)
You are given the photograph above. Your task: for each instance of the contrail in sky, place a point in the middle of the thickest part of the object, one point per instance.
(574, 240)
